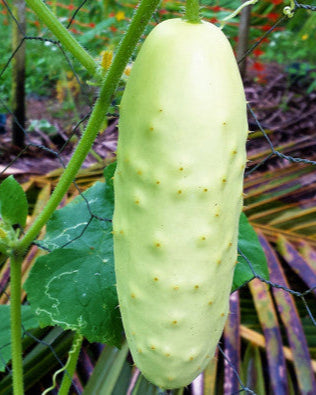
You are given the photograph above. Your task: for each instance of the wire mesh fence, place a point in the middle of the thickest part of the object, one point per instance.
(81, 108)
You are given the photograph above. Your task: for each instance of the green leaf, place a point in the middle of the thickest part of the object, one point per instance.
(249, 245)
(107, 373)
(13, 202)
(29, 321)
(43, 125)
(75, 290)
(74, 286)
(71, 225)
(252, 370)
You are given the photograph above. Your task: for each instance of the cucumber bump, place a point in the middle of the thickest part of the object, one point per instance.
(178, 196)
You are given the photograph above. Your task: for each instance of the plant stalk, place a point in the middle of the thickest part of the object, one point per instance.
(140, 19)
(71, 365)
(192, 11)
(127, 45)
(63, 35)
(16, 324)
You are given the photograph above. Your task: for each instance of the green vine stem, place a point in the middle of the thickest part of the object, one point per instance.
(140, 19)
(16, 323)
(63, 35)
(68, 369)
(71, 365)
(237, 11)
(192, 11)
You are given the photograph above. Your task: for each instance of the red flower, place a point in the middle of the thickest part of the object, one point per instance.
(277, 1)
(265, 28)
(113, 28)
(75, 31)
(258, 66)
(71, 7)
(216, 8)
(273, 16)
(163, 12)
(112, 14)
(91, 24)
(258, 52)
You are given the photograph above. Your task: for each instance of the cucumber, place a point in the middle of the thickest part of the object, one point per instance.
(178, 196)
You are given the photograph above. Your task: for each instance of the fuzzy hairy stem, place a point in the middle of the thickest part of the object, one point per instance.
(63, 35)
(192, 10)
(16, 324)
(140, 19)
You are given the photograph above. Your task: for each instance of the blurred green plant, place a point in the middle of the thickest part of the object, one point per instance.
(43, 125)
(100, 26)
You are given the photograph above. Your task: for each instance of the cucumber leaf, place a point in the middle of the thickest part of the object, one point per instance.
(74, 285)
(250, 247)
(29, 321)
(13, 202)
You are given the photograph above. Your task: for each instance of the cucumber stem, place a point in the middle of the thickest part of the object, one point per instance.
(140, 19)
(192, 11)
(71, 365)
(16, 324)
(64, 36)
(139, 22)
(237, 11)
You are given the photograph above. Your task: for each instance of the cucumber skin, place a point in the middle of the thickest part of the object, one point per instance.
(178, 196)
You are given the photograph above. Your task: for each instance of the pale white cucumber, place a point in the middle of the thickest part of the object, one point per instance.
(178, 197)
